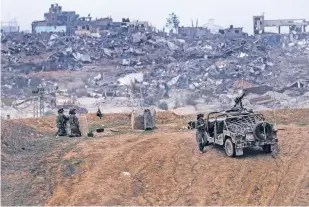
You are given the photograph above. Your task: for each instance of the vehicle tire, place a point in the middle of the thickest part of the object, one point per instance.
(229, 148)
(267, 148)
(262, 130)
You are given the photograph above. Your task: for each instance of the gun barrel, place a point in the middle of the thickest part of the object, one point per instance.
(238, 99)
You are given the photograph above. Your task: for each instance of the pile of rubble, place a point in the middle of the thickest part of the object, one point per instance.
(211, 65)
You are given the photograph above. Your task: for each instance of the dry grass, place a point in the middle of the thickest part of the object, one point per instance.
(28, 164)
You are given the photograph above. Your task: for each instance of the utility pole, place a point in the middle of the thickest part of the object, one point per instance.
(41, 98)
(35, 106)
(38, 102)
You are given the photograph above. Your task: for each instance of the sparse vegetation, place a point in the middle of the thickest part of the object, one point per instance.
(29, 164)
(172, 21)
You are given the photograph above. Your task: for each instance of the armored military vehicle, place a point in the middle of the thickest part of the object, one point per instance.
(239, 128)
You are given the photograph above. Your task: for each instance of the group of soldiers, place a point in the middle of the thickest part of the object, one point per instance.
(62, 120)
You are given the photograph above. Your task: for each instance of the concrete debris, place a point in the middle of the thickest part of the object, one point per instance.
(208, 65)
(82, 57)
(131, 78)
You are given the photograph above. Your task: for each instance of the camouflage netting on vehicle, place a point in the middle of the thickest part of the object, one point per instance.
(143, 118)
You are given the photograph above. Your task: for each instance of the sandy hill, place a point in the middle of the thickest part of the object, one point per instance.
(162, 167)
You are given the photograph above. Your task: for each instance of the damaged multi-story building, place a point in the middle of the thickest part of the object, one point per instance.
(295, 25)
(232, 31)
(56, 20)
(132, 26)
(87, 26)
(193, 32)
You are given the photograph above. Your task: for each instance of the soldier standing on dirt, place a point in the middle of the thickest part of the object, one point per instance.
(74, 124)
(200, 132)
(61, 123)
(99, 114)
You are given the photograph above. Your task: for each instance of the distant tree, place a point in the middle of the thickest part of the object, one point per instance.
(172, 21)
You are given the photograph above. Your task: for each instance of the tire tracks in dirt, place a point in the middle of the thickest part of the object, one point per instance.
(166, 169)
(285, 171)
(200, 160)
(136, 150)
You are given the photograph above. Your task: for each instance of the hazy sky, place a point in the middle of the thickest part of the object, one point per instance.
(224, 12)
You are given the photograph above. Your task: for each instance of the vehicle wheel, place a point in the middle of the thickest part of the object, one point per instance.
(267, 148)
(229, 148)
(262, 131)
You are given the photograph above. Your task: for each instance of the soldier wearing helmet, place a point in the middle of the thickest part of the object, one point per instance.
(61, 122)
(74, 124)
(200, 132)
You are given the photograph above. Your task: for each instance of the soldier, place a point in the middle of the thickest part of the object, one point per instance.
(99, 114)
(74, 124)
(200, 132)
(61, 123)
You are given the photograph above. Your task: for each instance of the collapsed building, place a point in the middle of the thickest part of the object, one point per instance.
(193, 32)
(232, 31)
(211, 66)
(56, 20)
(68, 22)
(148, 67)
(295, 25)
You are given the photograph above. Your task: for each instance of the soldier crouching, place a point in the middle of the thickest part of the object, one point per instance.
(61, 123)
(74, 124)
(200, 132)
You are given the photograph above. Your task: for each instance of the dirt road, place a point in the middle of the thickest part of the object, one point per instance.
(164, 168)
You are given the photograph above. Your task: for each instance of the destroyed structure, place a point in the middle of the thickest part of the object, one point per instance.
(193, 31)
(232, 32)
(10, 26)
(145, 67)
(295, 25)
(70, 23)
(56, 20)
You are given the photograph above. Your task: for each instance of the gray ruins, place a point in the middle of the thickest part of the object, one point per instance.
(131, 63)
